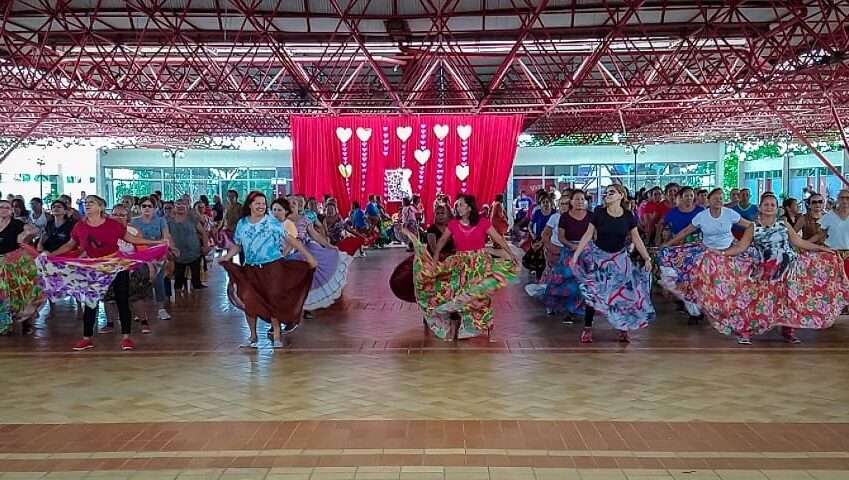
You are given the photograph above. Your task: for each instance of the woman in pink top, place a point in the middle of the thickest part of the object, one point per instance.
(455, 294)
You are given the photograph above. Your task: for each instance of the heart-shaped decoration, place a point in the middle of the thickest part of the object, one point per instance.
(404, 133)
(422, 156)
(343, 134)
(464, 132)
(441, 131)
(462, 172)
(363, 134)
(345, 170)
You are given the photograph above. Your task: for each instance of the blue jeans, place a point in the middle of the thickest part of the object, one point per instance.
(159, 287)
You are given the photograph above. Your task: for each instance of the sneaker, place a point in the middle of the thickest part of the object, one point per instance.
(567, 321)
(744, 341)
(791, 338)
(127, 345)
(83, 344)
(549, 312)
(199, 287)
(276, 344)
(108, 328)
(145, 327)
(289, 328)
(163, 314)
(252, 343)
(623, 337)
(308, 315)
(587, 335)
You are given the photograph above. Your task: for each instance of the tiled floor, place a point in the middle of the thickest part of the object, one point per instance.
(360, 392)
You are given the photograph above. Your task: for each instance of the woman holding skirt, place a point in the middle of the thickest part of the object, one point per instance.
(331, 274)
(455, 294)
(772, 284)
(560, 291)
(20, 294)
(610, 281)
(267, 286)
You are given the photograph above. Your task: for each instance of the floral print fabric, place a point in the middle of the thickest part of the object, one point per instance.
(88, 279)
(614, 286)
(740, 296)
(462, 284)
(727, 294)
(562, 292)
(20, 294)
(675, 272)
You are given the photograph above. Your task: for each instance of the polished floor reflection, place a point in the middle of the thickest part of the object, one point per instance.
(361, 392)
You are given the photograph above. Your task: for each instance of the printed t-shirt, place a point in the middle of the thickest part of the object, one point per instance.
(101, 240)
(261, 242)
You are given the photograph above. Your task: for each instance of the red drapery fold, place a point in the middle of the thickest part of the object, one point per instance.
(327, 149)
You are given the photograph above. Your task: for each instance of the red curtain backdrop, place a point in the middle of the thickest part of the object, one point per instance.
(318, 152)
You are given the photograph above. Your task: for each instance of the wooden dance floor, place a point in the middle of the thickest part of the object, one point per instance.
(361, 392)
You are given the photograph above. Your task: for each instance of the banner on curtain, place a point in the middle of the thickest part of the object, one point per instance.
(427, 155)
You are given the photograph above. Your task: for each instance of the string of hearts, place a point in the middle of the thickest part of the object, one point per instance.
(422, 154)
(344, 135)
(364, 134)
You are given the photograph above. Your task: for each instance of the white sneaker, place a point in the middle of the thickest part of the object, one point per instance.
(163, 314)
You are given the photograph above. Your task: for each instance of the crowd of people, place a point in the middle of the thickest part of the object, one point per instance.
(745, 267)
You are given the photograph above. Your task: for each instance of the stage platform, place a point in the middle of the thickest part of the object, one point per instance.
(363, 392)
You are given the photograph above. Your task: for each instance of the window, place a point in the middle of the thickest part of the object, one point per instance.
(195, 181)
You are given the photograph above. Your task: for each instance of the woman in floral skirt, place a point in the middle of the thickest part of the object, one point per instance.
(455, 294)
(610, 282)
(773, 284)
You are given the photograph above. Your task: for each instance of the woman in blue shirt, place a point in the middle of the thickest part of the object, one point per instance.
(267, 286)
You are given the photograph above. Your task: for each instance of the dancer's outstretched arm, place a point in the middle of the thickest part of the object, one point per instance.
(677, 239)
(742, 245)
(502, 244)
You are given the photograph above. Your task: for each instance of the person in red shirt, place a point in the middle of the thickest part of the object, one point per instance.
(97, 236)
(650, 212)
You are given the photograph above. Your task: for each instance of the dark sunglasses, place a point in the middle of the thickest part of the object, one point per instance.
(814, 202)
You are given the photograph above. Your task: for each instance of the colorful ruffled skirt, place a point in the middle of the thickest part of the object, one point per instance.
(738, 301)
(614, 286)
(276, 289)
(88, 279)
(675, 272)
(559, 290)
(21, 295)
(330, 275)
(817, 291)
(460, 286)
